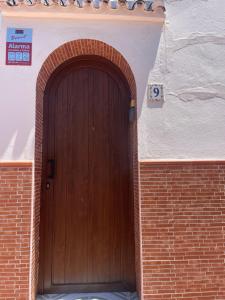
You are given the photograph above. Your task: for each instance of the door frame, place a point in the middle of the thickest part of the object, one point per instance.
(57, 60)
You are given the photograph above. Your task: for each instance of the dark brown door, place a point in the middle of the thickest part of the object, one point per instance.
(87, 240)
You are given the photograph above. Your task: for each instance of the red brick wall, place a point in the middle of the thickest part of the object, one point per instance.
(134, 167)
(15, 210)
(182, 227)
(183, 230)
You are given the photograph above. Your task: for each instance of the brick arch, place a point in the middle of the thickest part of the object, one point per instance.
(59, 56)
(85, 47)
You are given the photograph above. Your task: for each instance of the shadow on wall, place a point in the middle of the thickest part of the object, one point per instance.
(17, 144)
(148, 52)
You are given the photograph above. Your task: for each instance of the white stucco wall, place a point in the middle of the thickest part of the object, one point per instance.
(190, 63)
(186, 55)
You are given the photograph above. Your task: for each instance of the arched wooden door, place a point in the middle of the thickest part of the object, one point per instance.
(87, 236)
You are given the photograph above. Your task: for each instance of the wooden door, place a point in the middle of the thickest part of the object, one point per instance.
(87, 238)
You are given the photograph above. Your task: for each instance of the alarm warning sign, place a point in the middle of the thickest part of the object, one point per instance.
(19, 46)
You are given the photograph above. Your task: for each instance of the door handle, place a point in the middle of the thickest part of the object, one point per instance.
(50, 168)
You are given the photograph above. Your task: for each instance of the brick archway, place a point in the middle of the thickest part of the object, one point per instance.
(84, 47)
(59, 56)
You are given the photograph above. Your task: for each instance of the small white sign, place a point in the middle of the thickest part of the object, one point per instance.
(155, 92)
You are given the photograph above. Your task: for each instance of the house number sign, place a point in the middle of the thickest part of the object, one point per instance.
(155, 92)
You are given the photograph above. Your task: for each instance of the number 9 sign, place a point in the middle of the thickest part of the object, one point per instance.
(155, 92)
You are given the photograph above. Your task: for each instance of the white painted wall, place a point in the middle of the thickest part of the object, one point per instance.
(191, 64)
(187, 56)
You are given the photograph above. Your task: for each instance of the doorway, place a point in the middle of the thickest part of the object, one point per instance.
(87, 219)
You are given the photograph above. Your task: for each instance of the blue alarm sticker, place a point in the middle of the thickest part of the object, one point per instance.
(19, 46)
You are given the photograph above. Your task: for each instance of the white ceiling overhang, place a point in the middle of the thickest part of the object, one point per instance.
(139, 10)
